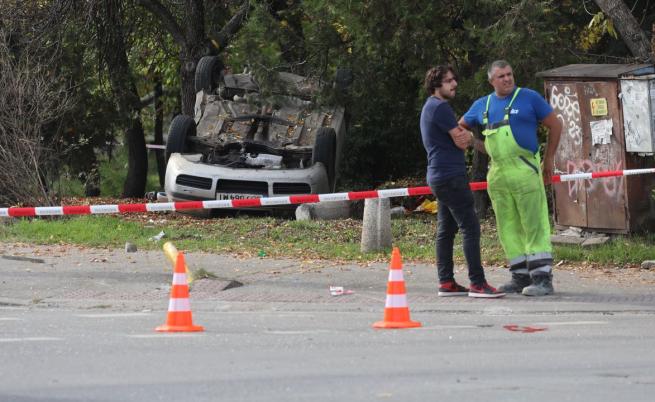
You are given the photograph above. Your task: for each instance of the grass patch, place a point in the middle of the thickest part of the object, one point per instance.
(275, 237)
(202, 273)
(619, 251)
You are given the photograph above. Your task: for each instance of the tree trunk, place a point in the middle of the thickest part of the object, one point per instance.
(193, 39)
(137, 162)
(159, 132)
(188, 76)
(195, 46)
(111, 37)
(633, 36)
(112, 45)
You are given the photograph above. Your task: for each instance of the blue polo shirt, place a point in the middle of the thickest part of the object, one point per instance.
(528, 109)
(445, 160)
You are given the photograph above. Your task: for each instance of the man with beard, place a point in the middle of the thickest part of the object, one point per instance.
(445, 142)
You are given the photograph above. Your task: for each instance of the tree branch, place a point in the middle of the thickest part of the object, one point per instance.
(166, 18)
(232, 27)
(633, 36)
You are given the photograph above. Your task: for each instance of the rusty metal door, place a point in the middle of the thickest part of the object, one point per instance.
(603, 145)
(570, 199)
(589, 143)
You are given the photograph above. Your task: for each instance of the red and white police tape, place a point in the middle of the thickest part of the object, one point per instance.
(272, 201)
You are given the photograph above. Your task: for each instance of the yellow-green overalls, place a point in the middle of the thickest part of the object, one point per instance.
(518, 197)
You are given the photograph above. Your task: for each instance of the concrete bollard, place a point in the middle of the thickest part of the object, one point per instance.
(376, 228)
(323, 211)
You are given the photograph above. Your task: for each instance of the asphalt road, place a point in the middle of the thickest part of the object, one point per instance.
(78, 325)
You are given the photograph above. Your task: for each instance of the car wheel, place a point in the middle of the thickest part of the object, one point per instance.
(325, 151)
(209, 72)
(181, 128)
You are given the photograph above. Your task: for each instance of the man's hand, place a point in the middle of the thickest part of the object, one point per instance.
(554, 132)
(462, 138)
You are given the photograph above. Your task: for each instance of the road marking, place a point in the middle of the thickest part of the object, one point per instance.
(115, 315)
(563, 323)
(525, 330)
(10, 319)
(34, 339)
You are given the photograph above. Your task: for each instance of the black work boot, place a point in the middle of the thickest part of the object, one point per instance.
(516, 285)
(542, 285)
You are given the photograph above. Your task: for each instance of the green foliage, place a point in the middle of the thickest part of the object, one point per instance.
(112, 172)
(593, 33)
(598, 38)
(254, 47)
(387, 44)
(153, 57)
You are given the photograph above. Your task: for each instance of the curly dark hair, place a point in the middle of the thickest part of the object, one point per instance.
(435, 75)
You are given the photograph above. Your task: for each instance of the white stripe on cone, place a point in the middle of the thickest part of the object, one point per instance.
(396, 275)
(396, 301)
(179, 305)
(179, 279)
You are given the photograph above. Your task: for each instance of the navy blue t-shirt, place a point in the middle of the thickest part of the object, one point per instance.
(445, 160)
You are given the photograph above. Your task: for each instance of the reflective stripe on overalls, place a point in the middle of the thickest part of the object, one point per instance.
(518, 197)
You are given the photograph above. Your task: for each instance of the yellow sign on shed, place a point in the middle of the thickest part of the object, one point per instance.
(598, 107)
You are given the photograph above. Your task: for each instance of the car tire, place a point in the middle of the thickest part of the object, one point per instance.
(325, 151)
(209, 73)
(182, 127)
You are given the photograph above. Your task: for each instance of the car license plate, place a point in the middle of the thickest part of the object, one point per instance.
(233, 196)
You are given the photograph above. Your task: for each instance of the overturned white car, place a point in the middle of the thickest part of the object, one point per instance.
(241, 144)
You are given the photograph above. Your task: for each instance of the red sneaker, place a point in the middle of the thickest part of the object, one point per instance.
(484, 291)
(452, 289)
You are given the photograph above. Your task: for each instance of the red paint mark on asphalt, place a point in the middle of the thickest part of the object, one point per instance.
(527, 330)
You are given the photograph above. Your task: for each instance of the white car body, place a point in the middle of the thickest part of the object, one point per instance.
(222, 164)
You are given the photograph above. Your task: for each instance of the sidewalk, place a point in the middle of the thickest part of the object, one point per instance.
(72, 277)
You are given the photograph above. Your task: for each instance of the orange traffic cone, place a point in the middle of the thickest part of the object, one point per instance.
(396, 311)
(179, 310)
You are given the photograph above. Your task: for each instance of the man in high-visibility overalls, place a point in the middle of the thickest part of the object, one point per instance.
(509, 118)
